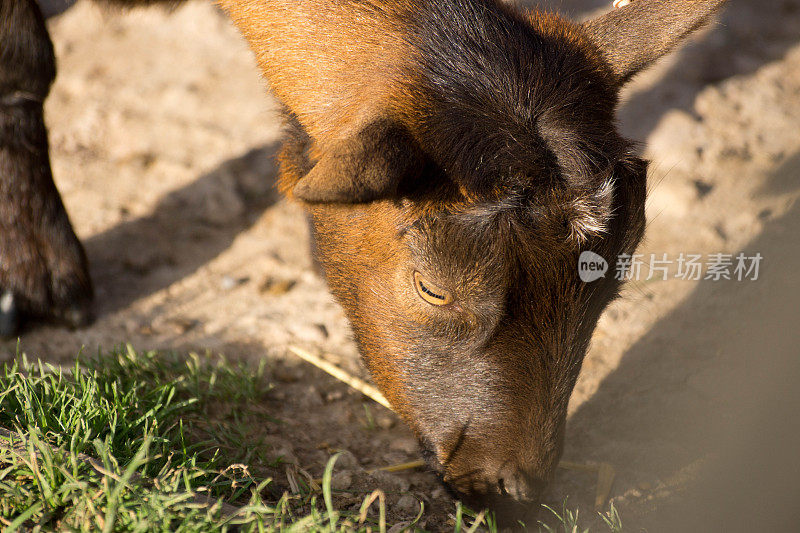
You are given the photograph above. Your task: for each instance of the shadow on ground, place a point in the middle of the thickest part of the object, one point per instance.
(189, 227)
(703, 407)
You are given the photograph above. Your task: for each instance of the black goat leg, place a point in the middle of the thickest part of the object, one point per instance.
(43, 268)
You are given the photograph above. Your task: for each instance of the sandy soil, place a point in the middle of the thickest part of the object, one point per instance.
(163, 141)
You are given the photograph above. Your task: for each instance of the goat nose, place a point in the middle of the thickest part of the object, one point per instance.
(521, 486)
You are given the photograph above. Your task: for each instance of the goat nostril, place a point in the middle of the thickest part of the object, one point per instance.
(502, 485)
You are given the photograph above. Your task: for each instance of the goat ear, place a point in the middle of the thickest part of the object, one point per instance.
(365, 167)
(633, 36)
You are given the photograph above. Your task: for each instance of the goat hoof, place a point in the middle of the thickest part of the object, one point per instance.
(14, 314)
(9, 315)
(75, 316)
(43, 284)
(48, 284)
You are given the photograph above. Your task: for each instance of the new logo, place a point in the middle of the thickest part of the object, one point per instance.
(591, 267)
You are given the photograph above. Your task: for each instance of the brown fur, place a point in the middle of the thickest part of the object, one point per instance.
(652, 26)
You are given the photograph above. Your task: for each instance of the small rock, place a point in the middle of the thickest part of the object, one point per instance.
(143, 262)
(438, 493)
(333, 396)
(215, 201)
(391, 499)
(130, 325)
(305, 333)
(673, 197)
(703, 188)
(404, 444)
(277, 395)
(347, 461)
(309, 397)
(719, 229)
(228, 282)
(281, 449)
(276, 287)
(342, 480)
(385, 421)
(407, 504)
(181, 325)
(390, 482)
(287, 374)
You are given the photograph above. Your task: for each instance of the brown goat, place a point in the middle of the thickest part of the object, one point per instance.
(456, 157)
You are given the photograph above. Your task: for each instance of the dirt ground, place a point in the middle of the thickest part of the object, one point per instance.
(163, 141)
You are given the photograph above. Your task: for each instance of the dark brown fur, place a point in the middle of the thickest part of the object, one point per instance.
(43, 270)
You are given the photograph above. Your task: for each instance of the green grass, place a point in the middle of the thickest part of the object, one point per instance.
(567, 520)
(127, 441)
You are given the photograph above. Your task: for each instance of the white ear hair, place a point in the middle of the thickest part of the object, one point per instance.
(589, 213)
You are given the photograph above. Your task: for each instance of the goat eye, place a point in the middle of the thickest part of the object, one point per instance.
(433, 294)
